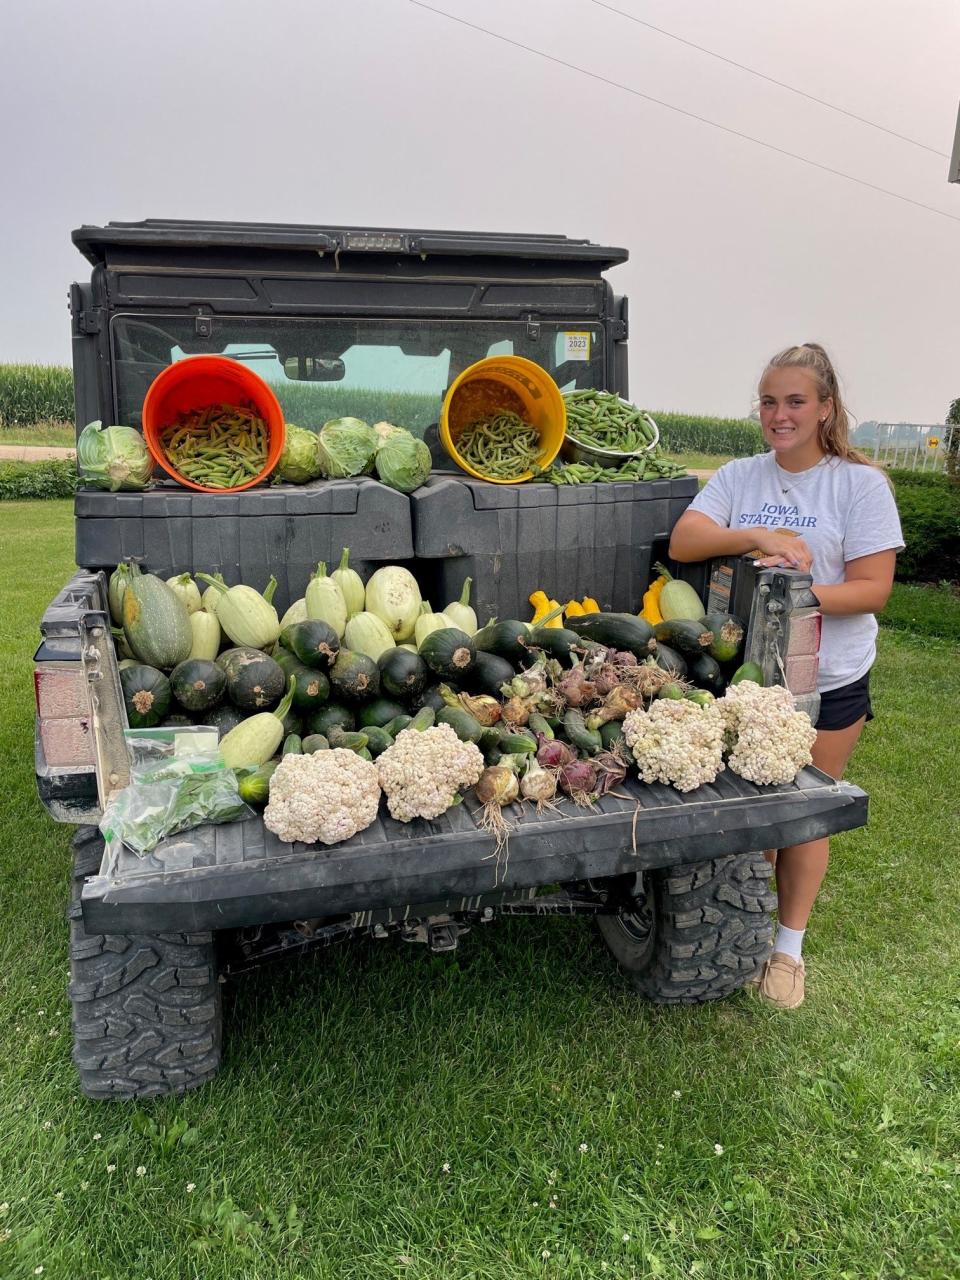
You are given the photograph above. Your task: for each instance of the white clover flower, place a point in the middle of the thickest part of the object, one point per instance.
(141, 1170)
(111, 1168)
(583, 1148)
(625, 1237)
(718, 1149)
(676, 1093)
(48, 1124)
(97, 1137)
(191, 1186)
(545, 1254)
(445, 1167)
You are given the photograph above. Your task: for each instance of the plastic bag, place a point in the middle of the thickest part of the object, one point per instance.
(113, 458)
(176, 790)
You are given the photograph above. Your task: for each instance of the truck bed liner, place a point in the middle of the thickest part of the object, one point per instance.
(241, 874)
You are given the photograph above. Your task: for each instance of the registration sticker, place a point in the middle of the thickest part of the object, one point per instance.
(576, 346)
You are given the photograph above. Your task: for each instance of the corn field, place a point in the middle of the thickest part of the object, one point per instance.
(685, 433)
(32, 393)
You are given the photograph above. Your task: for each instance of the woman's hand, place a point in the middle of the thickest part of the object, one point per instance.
(782, 551)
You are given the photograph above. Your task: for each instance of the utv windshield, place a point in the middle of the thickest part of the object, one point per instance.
(397, 370)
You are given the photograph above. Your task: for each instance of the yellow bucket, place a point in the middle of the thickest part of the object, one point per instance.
(504, 382)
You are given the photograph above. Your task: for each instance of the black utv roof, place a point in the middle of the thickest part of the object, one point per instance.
(96, 243)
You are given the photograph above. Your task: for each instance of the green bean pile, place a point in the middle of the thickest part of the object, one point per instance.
(218, 447)
(500, 445)
(602, 421)
(652, 466)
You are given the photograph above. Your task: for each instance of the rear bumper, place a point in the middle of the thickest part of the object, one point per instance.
(240, 874)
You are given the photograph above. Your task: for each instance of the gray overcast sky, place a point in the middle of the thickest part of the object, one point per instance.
(380, 112)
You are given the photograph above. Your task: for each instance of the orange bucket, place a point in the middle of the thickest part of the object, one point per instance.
(197, 382)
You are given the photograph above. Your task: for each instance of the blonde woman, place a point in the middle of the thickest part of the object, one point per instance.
(811, 503)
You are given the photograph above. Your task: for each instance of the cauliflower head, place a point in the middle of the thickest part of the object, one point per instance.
(676, 741)
(768, 739)
(422, 773)
(322, 798)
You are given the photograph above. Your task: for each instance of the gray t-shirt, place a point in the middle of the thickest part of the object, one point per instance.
(842, 510)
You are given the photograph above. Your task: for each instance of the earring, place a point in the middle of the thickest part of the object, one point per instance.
(822, 421)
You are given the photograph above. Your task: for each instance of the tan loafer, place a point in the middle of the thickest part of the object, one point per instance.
(780, 981)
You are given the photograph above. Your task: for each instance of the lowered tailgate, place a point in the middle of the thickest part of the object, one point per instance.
(241, 874)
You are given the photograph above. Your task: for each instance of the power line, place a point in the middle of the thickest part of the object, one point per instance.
(770, 80)
(691, 115)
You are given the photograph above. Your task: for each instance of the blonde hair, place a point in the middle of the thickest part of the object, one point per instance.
(833, 435)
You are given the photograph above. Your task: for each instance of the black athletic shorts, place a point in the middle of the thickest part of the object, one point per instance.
(840, 708)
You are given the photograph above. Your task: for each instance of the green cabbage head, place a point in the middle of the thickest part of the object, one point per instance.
(345, 447)
(402, 461)
(299, 462)
(113, 457)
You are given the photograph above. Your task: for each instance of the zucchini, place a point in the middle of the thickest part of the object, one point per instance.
(705, 672)
(702, 697)
(156, 624)
(449, 653)
(222, 718)
(254, 681)
(507, 639)
(254, 787)
(206, 633)
(397, 725)
(146, 695)
(198, 684)
(329, 717)
(246, 616)
(354, 676)
(488, 673)
(685, 635)
(377, 739)
(556, 642)
(727, 636)
(380, 712)
(616, 631)
(312, 688)
(402, 674)
(314, 642)
(577, 733)
(749, 671)
(492, 736)
(292, 745)
(314, 742)
(116, 586)
(463, 724)
(669, 660)
(517, 743)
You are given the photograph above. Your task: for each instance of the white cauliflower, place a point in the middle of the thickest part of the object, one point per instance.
(423, 771)
(767, 738)
(322, 798)
(676, 741)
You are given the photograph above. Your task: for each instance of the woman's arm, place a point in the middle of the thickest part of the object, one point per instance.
(696, 537)
(866, 586)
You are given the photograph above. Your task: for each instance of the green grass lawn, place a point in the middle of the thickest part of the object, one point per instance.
(60, 434)
(513, 1110)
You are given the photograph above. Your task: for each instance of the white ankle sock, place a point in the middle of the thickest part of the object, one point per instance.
(789, 941)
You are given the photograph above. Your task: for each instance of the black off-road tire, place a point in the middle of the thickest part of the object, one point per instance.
(695, 932)
(147, 1016)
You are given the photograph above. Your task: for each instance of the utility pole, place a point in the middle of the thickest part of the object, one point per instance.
(954, 174)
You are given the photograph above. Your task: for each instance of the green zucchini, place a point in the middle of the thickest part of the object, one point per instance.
(333, 715)
(706, 674)
(506, 639)
(254, 787)
(492, 736)
(749, 671)
(312, 687)
(314, 742)
(314, 642)
(688, 637)
(556, 642)
(146, 695)
(616, 631)
(354, 676)
(254, 681)
(518, 743)
(424, 719)
(380, 712)
(198, 685)
(463, 724)
(397, 725)
(449, 653)
(727, 636)
(292, 745)
(402, 674)
(377, 739)
(669, 660)
(156, 624)
(488, 673)
(577, 733)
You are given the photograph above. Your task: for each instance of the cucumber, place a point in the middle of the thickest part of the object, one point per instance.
(377, 740)
(518, 744)
(749, 671)
(538, 724)
(728, 633)
(314, 742)
(578, 735)
(671, 691)
(702, 697)
(254, 787)
(686, 636)
(616, 631)
(346, 739)
(610, 733)
(292, 745)
(397, 725)
(464, 725)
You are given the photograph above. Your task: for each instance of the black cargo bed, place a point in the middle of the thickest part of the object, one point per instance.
(241, 874)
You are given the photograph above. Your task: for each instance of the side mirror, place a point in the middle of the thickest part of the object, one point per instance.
(313, 369)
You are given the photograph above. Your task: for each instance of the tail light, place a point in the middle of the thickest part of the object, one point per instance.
(63, 715)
